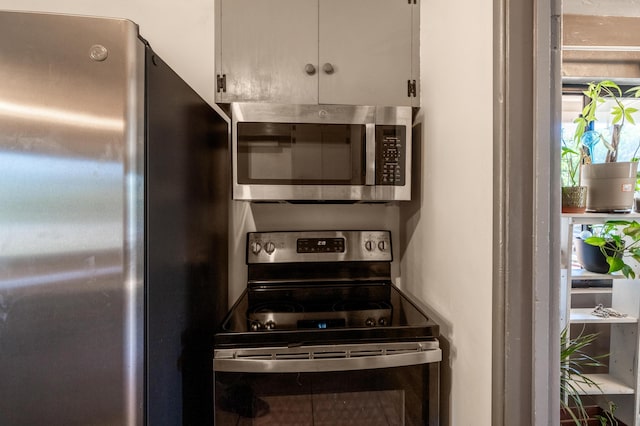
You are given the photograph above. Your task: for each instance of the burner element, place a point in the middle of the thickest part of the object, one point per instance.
(359, 305)
(273, 307)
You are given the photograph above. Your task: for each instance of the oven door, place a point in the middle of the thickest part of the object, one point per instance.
(364, 384)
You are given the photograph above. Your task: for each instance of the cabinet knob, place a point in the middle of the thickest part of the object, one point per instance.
(328, 68)
(310, 69)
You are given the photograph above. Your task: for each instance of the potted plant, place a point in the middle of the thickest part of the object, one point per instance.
(573, 380)
(574, 195)
(598, 247)
(618, 245)
(610, 184)
(593, 258)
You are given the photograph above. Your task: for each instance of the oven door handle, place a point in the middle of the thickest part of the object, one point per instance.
(290, 362)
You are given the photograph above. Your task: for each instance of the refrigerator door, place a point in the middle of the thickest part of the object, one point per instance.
(71, 200)
(187, 197)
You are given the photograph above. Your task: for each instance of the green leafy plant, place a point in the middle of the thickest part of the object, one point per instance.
(607, 417)
(618, 239)
(598, 93)
(573, 360)
(570, 164)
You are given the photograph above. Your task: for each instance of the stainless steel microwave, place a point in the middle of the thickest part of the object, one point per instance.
(290, 152)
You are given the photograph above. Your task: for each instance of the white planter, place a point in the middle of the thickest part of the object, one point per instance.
(610, 186)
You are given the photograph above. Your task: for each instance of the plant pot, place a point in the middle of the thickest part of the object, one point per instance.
(591, 257)
(610, 186)
(574, 199)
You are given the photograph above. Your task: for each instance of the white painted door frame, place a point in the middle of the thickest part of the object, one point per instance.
(527, 84)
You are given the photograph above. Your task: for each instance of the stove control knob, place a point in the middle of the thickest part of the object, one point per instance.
(270, 325)
(269, 247)
(383, 245)
(383, 322)
(369, 245)
(255, 326)
(255, 247)
(370, 322)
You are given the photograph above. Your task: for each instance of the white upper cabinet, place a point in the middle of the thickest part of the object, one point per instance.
(263, 47)
(368, 44)
(360, 52)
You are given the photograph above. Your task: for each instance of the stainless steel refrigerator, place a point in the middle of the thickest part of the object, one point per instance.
(114, 196)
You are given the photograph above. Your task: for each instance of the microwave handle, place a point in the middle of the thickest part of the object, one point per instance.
(370, 154)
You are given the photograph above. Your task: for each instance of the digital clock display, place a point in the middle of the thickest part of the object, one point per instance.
(322, 324)
(320, 245)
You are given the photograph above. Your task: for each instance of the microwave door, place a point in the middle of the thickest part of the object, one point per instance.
(302, 154)
(321, 152)
(370, 155)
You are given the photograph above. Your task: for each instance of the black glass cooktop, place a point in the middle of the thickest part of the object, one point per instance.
(322, 313)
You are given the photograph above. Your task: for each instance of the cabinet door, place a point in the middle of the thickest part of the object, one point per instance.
(263, 48)
(368, 44)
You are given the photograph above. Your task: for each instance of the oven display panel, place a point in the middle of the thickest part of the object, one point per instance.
(322, 324)
(320, 245)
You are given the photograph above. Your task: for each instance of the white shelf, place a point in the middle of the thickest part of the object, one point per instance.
(583, 315)
(622, 383)
(591, 290)
(583, 274)
(597, 218)
(607, 385)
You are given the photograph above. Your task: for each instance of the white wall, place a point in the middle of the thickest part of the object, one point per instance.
(446, 246)
(248, 217)
(447, 231)
(181, 33)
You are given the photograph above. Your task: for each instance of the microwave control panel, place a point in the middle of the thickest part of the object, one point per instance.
(390, 155)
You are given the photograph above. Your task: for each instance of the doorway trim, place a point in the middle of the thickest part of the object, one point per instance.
(526, 335)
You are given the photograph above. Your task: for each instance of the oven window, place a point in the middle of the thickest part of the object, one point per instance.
(302, 154)
(379, 397)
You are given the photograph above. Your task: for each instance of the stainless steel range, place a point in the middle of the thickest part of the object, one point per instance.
(322, 336)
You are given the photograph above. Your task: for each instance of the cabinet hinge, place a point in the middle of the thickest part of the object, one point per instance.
(411, 88)
(221, 85)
